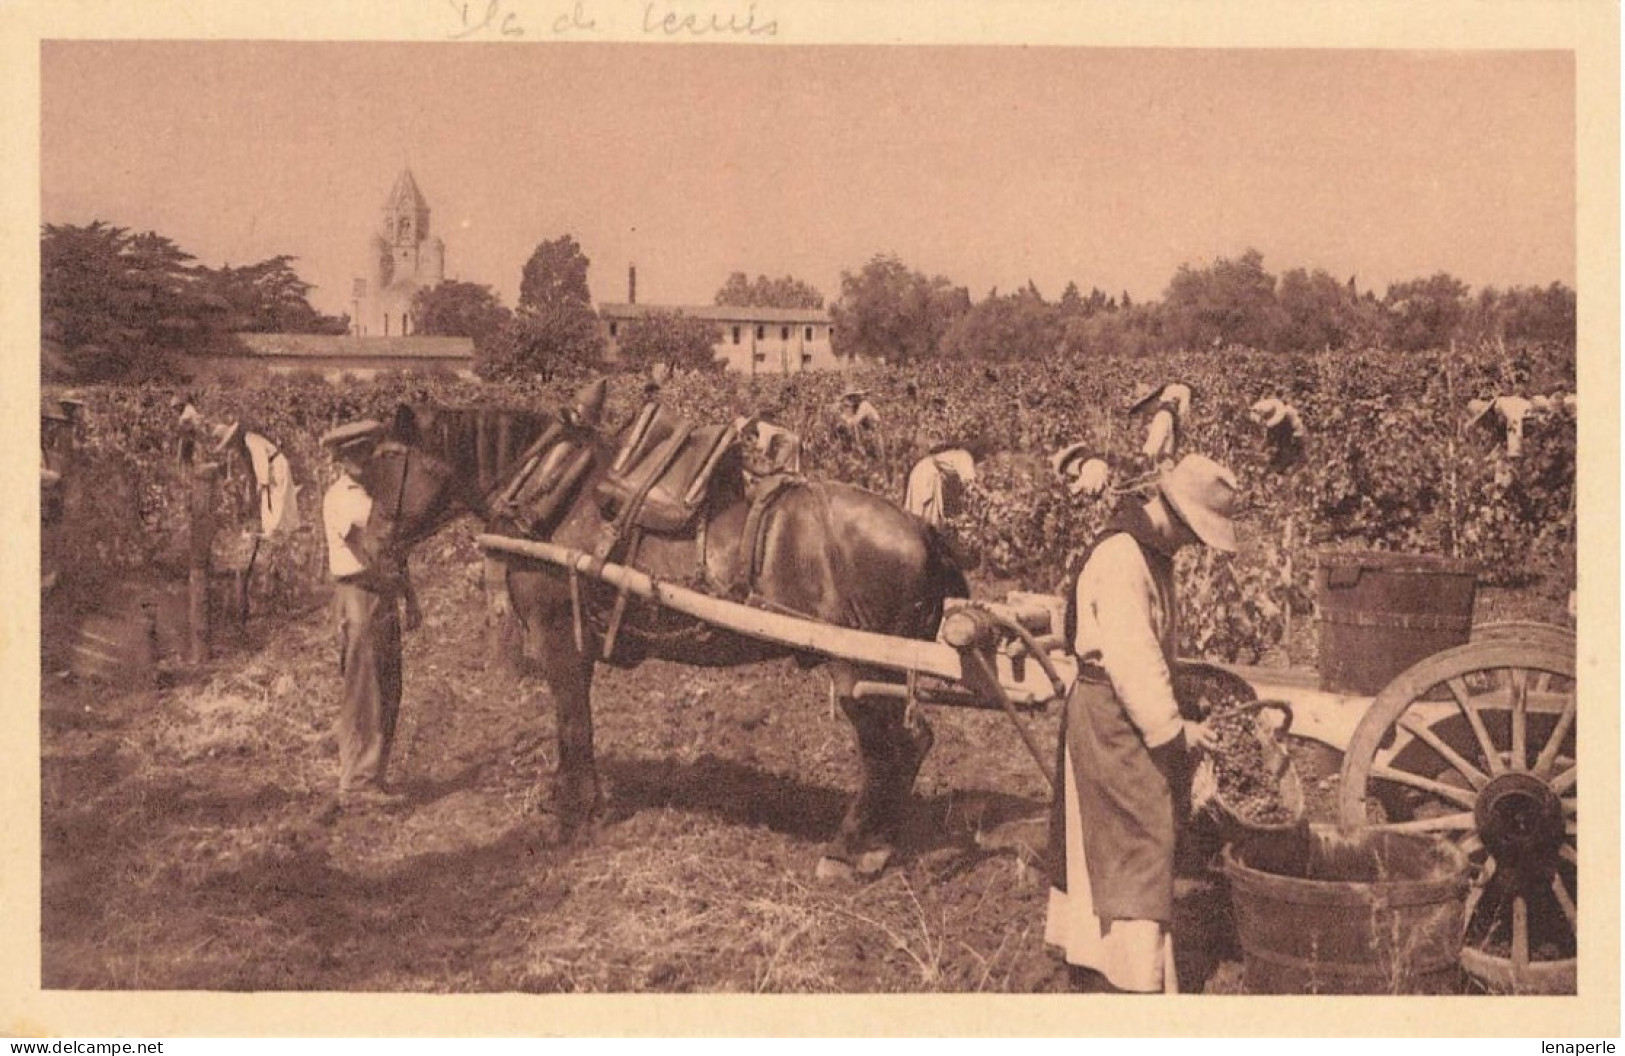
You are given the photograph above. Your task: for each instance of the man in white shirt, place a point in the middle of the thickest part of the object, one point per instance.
(858, 423)
(367, 611)
(1283, 432)
(769, 448)
(1173, 404)
(275, 493)
(1127, 754)
(1084, 475)
(935, 490)
(270, 490)
(1504, 416)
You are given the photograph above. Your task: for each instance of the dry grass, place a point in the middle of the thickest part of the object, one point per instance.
(182, 849)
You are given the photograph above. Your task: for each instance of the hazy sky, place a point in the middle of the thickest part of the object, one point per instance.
(990, 165)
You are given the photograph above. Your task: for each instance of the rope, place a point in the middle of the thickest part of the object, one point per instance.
(1136, 485)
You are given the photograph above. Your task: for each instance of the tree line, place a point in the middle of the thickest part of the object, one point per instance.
(117, 305)
(888, 312)
(123, 306)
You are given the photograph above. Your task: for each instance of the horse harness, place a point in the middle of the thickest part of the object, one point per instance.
(659, 482)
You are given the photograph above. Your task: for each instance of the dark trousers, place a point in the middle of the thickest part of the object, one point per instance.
(369, 629)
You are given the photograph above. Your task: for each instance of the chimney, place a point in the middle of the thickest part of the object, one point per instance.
(632, 284)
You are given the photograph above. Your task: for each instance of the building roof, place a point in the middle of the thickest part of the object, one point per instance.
(406, 193)
(719, 313)
(317, 347)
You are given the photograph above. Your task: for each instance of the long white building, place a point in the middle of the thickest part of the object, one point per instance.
(754, 340)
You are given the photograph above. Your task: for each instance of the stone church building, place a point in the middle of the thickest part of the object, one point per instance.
(405, 258)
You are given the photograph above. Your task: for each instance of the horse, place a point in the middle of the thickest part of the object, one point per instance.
(826, 551)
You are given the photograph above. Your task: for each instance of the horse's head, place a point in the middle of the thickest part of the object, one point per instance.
(414, 490)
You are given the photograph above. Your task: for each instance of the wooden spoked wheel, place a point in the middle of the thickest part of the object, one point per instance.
(1477, 744)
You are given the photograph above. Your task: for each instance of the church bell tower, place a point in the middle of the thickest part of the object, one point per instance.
(405, 259)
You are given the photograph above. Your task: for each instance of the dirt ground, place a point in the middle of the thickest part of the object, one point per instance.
(183, 849)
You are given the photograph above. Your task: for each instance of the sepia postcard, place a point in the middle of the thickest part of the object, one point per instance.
(791, 518)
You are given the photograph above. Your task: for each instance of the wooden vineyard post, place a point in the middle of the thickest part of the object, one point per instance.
(483, 440)
(1286, 600)
(1452, 479)
(200, 519)
(504, 451)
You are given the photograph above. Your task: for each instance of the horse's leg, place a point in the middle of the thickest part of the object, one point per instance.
(574, 797)
(905, 739)
(891, 747)
(911, 741)
(859, 845)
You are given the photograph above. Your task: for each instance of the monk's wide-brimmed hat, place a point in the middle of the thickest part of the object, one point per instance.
(1206, 496)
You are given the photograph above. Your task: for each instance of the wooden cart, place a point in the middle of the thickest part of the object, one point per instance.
(1475, 744)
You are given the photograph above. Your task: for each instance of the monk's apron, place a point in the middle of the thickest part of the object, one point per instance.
(1126, 795)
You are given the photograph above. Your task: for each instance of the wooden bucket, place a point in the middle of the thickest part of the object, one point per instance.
(1375, 913)
(1382, 612)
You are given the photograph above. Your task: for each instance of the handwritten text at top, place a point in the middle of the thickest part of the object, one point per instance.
(513, 19)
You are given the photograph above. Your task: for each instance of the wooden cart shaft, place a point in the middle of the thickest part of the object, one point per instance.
(1329, 718)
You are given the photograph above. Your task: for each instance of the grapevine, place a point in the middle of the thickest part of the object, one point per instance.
(1378, 474)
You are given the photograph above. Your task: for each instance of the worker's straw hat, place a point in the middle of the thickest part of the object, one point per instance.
(1175, 394)
(1067, 455)
(352, 437)
(1269, 412)
(225, 435)
(1091, 475)
(1205, 496)
(1143, 395)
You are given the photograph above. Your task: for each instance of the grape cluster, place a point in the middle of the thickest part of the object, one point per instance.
(1249, 787)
